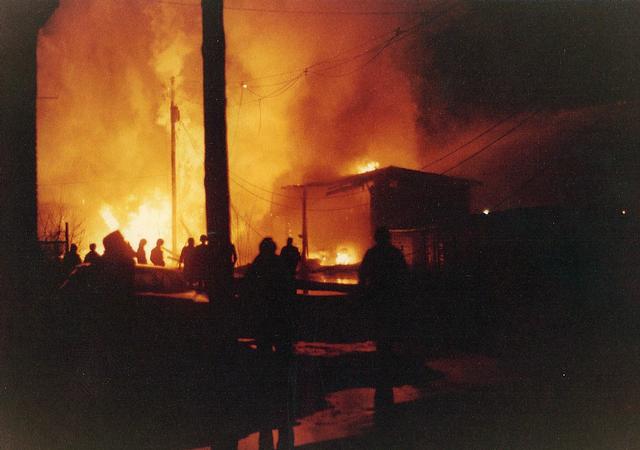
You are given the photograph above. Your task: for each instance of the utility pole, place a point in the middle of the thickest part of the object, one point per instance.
(305, 231)
(216, 173)
(175, 117)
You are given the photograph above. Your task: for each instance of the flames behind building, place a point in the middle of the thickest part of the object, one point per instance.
(317, 96)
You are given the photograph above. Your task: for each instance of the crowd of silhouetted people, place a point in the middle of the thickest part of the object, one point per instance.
(269, 284)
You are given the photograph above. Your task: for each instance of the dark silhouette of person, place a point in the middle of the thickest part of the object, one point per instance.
(186, 261)
(382, 278)
(269, 287)
(117, 264)
(114, 342)
(290, 255)
(229, 249)
(200, 258)
(157, 256)
(71, 259)
(93, 256)
(141, 254)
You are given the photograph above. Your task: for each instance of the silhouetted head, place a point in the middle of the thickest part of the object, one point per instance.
(289, 241)
(191, 242)
(267, 246)
(92, 247)
(73, 248)
(159, 243)
(203, 238)
(114, 243)
(142, 243)
(382, 235)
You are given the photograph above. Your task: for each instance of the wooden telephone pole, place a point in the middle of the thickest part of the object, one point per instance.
(175, 117)
(216, 169)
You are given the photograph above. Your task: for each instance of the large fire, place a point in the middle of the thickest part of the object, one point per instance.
(300, 108)
(341, 256)
(368, 167)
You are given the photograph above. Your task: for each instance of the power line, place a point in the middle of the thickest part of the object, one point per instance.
(324, 12)
(325, 61)
(486, 147)
(269, 191)
(398, 35)
(283, 87)
(388, 39)
(246, 221)
(300, 11)
(377, 51)
(260, 197)
(234, 175)
(294, 206)
(491, 128)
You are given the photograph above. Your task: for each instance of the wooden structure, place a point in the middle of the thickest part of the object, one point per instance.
(424, 211)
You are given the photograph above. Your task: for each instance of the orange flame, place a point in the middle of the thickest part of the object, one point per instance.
(368, 167)
(103, 144)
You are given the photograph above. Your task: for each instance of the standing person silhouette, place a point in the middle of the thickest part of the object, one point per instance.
(200, 258)
(157, 256)
(71, 259)
(93, 256)
(141, 254)
(382, 278)
(290, 256)
(270, 293)
(186, 261)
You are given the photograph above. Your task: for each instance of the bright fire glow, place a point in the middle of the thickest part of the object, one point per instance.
(321, 257)
(368, 167)
(149, 219)
(344, 256)
(486, 212)
(105, 159)
(109, 218)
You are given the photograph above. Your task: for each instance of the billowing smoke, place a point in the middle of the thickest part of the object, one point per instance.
(104, 71)
(576, 63)
(317, 89)
(311, 96)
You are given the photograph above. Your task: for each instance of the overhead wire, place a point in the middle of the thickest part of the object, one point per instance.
(296, 207)
(233, 174)
(268, 191)
(529, 180)
(398, 35)
(298, 11)
(489, 145)
(246, 221)
(475, 138)
(324, 12)
(338, 60)
(384, 36)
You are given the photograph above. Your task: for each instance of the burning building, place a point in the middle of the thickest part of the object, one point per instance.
(420, 208)
(315, 91)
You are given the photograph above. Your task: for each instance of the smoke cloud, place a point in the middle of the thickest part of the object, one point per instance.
(317, 89)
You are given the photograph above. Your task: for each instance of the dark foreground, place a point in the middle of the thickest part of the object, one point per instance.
(557, 384)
